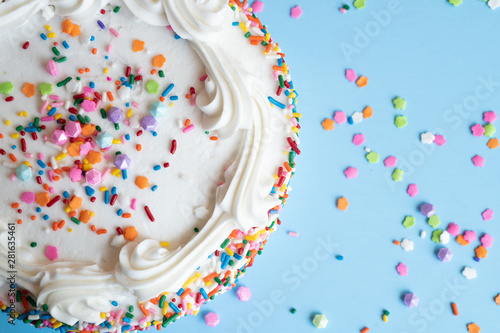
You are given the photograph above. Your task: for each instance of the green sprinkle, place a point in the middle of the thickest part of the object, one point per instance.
(63, 82)
(231, 262)
(397, 175)
(38, 323)
(248, 34)
(131, 308)
(56, 51)
(386, 312)
(45, 88)
(160, 73)
(103, 114)
(167, 321)
(409, 222)
(18, 296)
(98, 128)
(62, 59)
(249, 253)
(19, 128)
(81, 119)
(399, 103)
(346, 7)
(245, 241)
(455, 2)
(117, 126)
(74, 219)
(434, 221)
(207, 132)
(359, 4)
(131, 316)
(45, 307)
(489, 130)
(152, 87)
(6, 87)
(78, 78)
(219, 281)
(264, 43)
(33, 244)
(162, 301)
(225, 243)
(36, 122)
(78, 102)
(87, 119)
(400, 121)
(436, 235)
(282, 82)
(293, 310)
(131, 79)
(196, 230)
(31, 301)
(116, 9)
(372, 157)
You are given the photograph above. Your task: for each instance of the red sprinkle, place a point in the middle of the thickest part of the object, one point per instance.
(119, 231)
(26, 45)
(2, 152)
(138, 78)
(54, 200)
(34, 136)
(9, 99)
(294, 145)
(92, 199)
(113, 199)
(151, 217)
(39, 180)
(165, 165)
(23, 145)
(174, 146)
(139, 133)
(128, 71)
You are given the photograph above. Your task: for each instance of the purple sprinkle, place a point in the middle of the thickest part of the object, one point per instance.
(101, 24)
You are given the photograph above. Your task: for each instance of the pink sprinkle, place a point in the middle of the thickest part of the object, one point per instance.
(47, 118)
(478, 161)
(453, 229)
(139, 70)
(293, 234)
(343, 10)
(489, 116)
(54, 97)
(470, 236)
(402, 269)
(477, 130)
(350, 75)
(487, 240)
(44, 106)
(13, 177)
(114, 32)
(188, 129)
(29, 155)
(358, 139)
(142, 320)
(109, 47)
(51, 190)
(193, 100)
(390, 161)
(88, 90)
(135, 105)
(169, 27)
(257, 6)
(439, 139)
(51, 253)
(351, 172)
(88, 106)
(487, 214)
(340, 117)
(296, 12)
(40, 156)
(28, 197)
(57, 104)
(203, 77)
(133, 204)
(412, 190)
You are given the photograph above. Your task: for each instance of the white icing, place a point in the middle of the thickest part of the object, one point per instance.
(233, 105)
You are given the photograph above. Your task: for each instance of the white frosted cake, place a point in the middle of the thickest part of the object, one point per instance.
(146, 151)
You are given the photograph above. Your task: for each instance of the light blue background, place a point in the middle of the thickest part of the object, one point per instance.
(434, 55)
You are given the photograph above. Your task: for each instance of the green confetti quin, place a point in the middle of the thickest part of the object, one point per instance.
(152, 87)
(359, 4)
(372, 157)
(397, 175)
(436, 235)
(400, 121)
(45, 88)
(6, 88)
(434, 221)
(409, 222)
(489, 130)
(399, 103)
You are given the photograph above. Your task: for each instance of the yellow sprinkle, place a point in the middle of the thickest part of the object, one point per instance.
(49, 107)
(275, 176)
(195, 277)
(165, 310)
(252, 238)
(27, 163)
(243, 27)
(92, 214)
(70, 230)
(48, 27)
(276, 48)
(115, 171)
(283, 188)
(23, 114)
(171, 104)
(57, 325)
(295, 129)
(189, 306)
(106, 70)
(87, 166)
(85, 161)
(7, 122)
(14, 136)
(231, 253)
(129, 113)
(297, 115)
(285, 69)
(165, 244)
(385, 318)
(267, 37)
(103, 315)
(61, 156)
(109, 107)
(67, 209)
(208, 283)
(102, 189)
(195, 312)
(58, 116)
(117, 141)
(51, 35)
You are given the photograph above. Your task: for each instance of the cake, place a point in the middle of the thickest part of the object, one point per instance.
(146, 151)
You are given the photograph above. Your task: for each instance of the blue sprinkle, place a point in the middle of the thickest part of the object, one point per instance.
(30, 129)
(65, 44)
(113, 190)
(126, 328)
(154, 133)
(106, 57)
(44, 37)
(154, 188)
(287, 93)
(52, 111)
(167, 90)
(275, 102)
(177, 36)
(66, 194)
(175, 308)
(92, 38)
(273, 211)
(14, 147)
(72, 117)
(203, 293)
(40, 172)
(91, 84)
(174, 98)
(114, 303)
(127, 105)
(45, 317)
(157, 167)
(41, 164)
(38, 209)
(126, 319)
(124, 174)
(350, 121)
(106, 197)
(101, 24)
(339, 257)
(122, 79)
(127, 137)
(235, 24)
(180, 291)
(89, 190)
(45, 217)
(280, 62)
(119, 212)
(237, 256)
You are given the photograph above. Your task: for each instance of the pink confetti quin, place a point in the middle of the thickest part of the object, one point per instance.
(358, 139)
(487, 214)
(257, 6)
(478, 161)
(489, 116)
(390, 161)
(351, 172)
(412, 190)
(340, 117)
(296, 12)
(51, 253)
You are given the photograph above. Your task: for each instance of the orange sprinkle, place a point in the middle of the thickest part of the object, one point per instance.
(362, 81)
(287, 166)
(185, 293)
(328, 124)
(188, 96)
(85, 216)
(94, 51)
(159, 61)
(130, 233)
(278, 68)
(342, 203)
(365, 330)
(101, 231)
(187, 122)
(138, 45)
(154, 300)
(80, 71)
(46, 187)
(56, 178)
(61, 224)
(87, 70)
(214, 138)
(143, 309)
(117, 82)
(126, 215)
(13, 157)
(19, 221)
(209, 277)
(268, 48)
(138, 147)
(396, 242)
(93, 228)
(210, 294)
(33, 217)
(461, 240)
(58, 171)
(162, 99)
(481, 252)
(454, 308)
(54, 226)
(1, 136)
(110, 96)
(153, 71)
(15, 205)
(367, 112)
(142, 182)
(72, 214)
(29, 89)
(492, 143)
(497, 299)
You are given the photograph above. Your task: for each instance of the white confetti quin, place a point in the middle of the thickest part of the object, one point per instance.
(445, 237)
(427, 137)
(407, 245)
(494, 4)
(469, 273)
